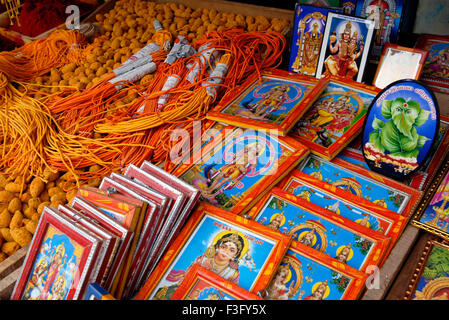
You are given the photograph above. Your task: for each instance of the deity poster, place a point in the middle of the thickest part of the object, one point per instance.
(310, 22)
(386, 15)
(345, 48)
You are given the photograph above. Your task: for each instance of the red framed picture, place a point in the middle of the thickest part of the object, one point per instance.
(203, 284)
(59, 261)
(345, 204)
(321, 229)
(275, 100)
(397, 63)
(336, 117)
(435, 72)
(307, 274)
(235, 168)
(108, 247)
(237, 249)
(124, 234)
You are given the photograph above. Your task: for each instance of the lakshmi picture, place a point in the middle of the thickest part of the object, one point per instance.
(387, 16)
(310, 22)
(433, 282)
(269, 101)
(337, 205)
(236, 166)
(401, 128)
(231, 252)
(55, 267)
(301, 278)
(337, 109)
(314, 231)
(361, 186)
(345, 46)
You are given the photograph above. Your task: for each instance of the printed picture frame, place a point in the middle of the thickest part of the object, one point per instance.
(430, 280)
(431, 214)
(398, 62)
(58, 246)
(321, 229)
(335, 118)
(307, 274)
(264, 160)
(97, 292)
(435, 72)
(275, 103)
(203, 284)
(257, 251)
(308, 31)
(345, 47)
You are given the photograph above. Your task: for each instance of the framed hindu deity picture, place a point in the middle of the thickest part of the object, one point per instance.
(436, 71)
(236, 249)
(97, 292)
(308, 32)
(386, 15)
(355, 157)
(432, 213)
(386, 194)
(335, 118)
(307, 274)
(236, 168)
(202, 284)
(348, 7)
(345, 47)
(59, 261)
(430, 280)
(400, 129)
(344, 203)
(321, 229)
(397, 63)
(275, 103)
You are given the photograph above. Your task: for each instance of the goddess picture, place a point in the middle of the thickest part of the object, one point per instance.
(223, 249)
(54, 269)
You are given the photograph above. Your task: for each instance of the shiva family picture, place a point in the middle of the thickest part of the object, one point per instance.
(345, 47)
(236, 167)
(55, 268)
(231, 252)
(332, 114)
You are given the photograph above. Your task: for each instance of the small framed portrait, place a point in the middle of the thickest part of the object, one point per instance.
(348, 7)
(321, 229)
(381, 191)
(275, 103)
(345, 48)
(59, 262)
(344, 203)
(308, 33)
(239, 165)
(335, 118)
(202, 284)
(307, 274)
(397, 63)
(237, 249)
(430, 281)
(401, 126)
(123, 233)
(433, 211)
(436, 71)
(386, 15)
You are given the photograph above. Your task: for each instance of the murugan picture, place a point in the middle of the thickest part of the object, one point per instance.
(303, 277)
(55, 267)
(337, 109)
(432, 279)
(229, 251)
(386, 15)
(310, 22)
(345, 46)
(314, 230)
(355, 183)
